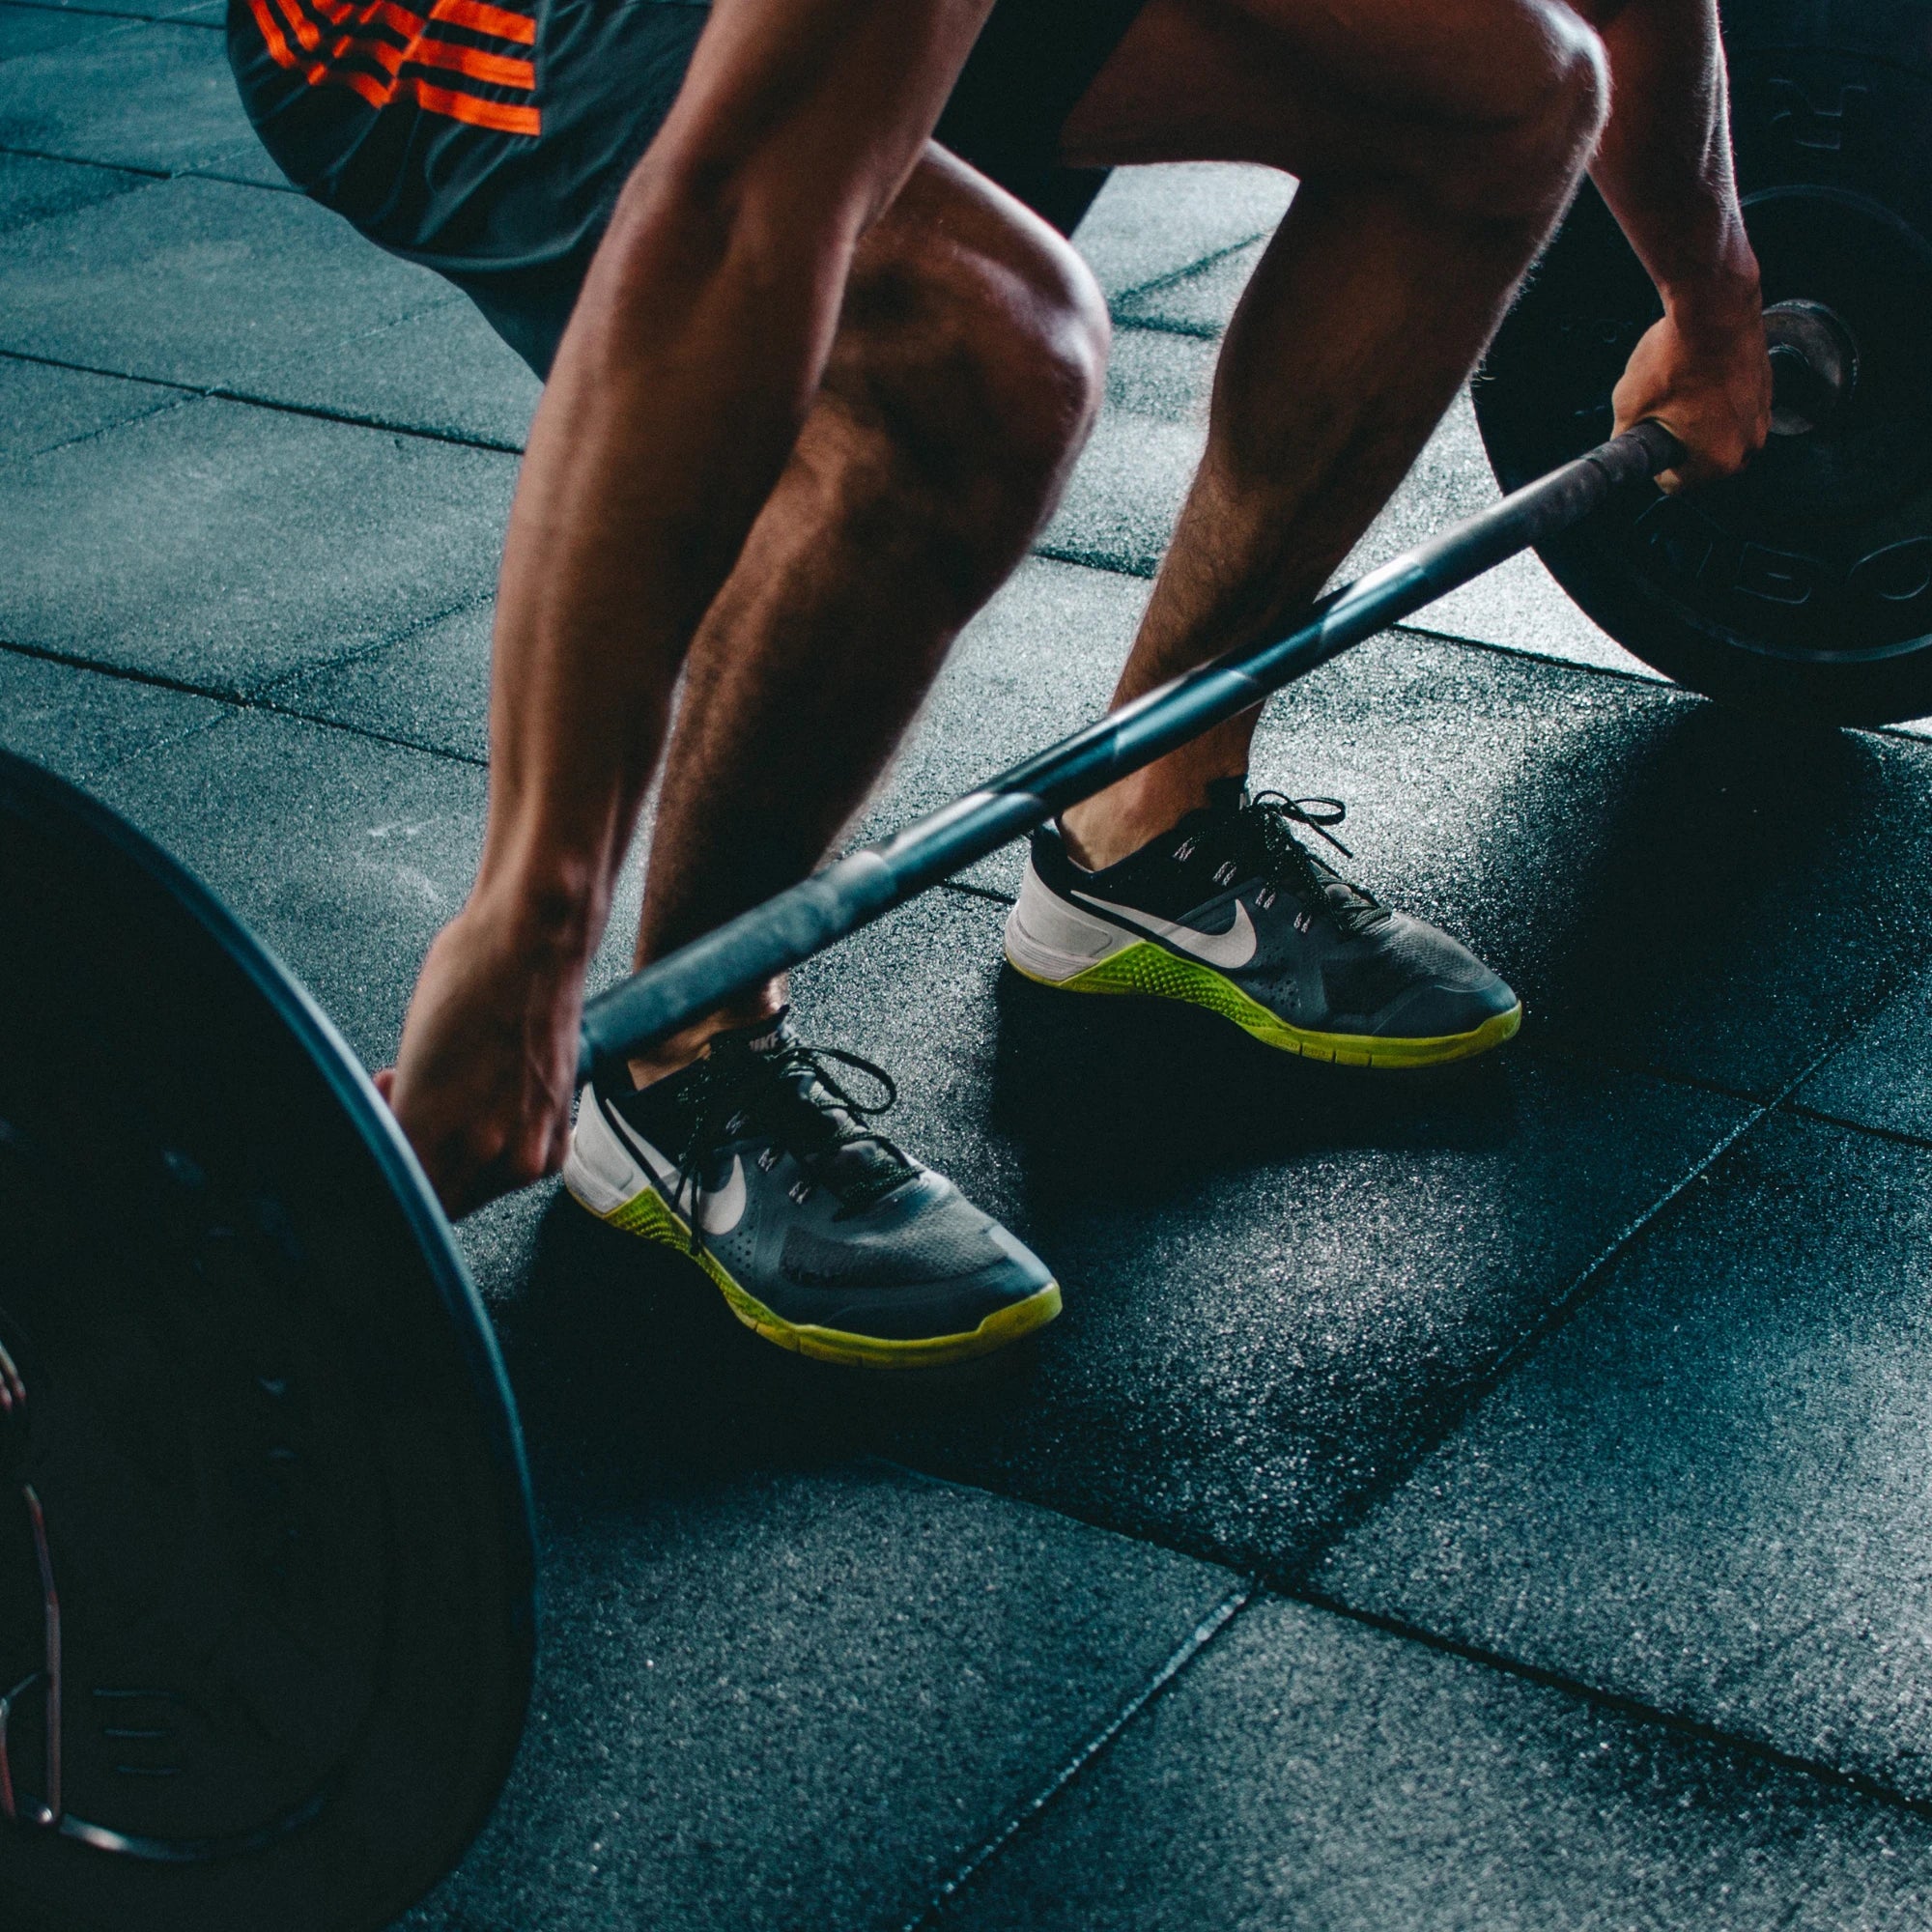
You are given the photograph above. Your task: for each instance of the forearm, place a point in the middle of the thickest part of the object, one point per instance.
(1665, 163)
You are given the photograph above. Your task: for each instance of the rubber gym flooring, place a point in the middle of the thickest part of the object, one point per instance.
(1494, 1500)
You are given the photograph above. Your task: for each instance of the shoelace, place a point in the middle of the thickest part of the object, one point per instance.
(1299, 869)
(734, 1088)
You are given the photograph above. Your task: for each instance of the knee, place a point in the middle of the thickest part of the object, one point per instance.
(1527, 124)
(984, 356)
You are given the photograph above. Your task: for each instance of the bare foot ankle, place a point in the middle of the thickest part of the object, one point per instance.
(673, 1055)
(1103, 830)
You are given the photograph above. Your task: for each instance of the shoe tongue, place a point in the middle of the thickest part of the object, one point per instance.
(758, 1037)
(865, 1168)
(1227, 795)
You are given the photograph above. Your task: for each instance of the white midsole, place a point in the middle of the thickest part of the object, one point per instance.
(599, 1170)
(1048, 939)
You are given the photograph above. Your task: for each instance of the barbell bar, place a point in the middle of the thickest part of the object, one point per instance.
(792, 926)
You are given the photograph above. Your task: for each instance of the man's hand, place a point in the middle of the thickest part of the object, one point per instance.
(1705, 374)
(482, 1084)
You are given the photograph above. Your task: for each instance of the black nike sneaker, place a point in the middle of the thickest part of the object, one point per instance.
(1231, 911)
(821, 1233)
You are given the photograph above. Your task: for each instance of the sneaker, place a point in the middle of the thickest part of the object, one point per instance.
(1231, 911)
(821, 1233)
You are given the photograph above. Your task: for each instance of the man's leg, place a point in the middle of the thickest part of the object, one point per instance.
(964, 379)
(1435, 147)
(963, 384)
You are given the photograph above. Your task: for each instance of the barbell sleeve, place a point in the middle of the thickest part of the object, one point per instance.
(794, 925)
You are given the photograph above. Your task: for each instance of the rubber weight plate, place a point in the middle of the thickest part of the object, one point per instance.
(266, 1559)
(1804, 586)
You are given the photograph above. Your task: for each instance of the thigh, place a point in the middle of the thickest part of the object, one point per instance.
(1315, 86)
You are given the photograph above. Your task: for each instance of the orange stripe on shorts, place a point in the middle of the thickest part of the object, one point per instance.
(482, 20)
(478, 112)
(279, 51)
(497, 68)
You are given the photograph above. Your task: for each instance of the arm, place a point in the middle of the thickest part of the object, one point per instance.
(678, 391)
(1665, 167)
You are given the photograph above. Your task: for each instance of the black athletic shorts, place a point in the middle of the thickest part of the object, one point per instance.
(488, 142)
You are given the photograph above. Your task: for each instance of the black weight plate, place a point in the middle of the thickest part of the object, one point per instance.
(1804, 586)
(265, 1464)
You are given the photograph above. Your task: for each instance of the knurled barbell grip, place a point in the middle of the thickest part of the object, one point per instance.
(792, 926)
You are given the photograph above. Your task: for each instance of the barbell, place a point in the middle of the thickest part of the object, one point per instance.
(266, 1564)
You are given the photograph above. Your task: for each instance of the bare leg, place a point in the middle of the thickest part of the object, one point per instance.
(1435, 146)
(963, 387)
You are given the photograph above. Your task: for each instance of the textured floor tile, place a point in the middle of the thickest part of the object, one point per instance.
(1709, 1491)
(1197, 300)
(1883, 1077)
(1280, 1282)
(1153, 373)
(31, 189)
(209, 12)
(41, 406)
(225, 546)
(802, 1700)
(1039, 662)
(1310, 1774)
(210, 284)
(157, 97)
(40, 30)
(343, 855)
(432, 689)
(1127, 489)
(1150, 223)
(81, 724)
(442, 369)
(1124, 494)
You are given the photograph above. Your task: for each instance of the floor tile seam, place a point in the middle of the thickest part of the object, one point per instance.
(968, 890)
(1095, 560)
(1155, 325)
(376, 647)
(106, 14)
(1682, 1723)
(174, 400)
(939, 1907)
(1570, 1053)
(1199, 265)
(1647, 680)
(222, 392)
(213, 174)
(1650, 680)
(354, 419)
(1824, 1116)
(127, 673)
(76, 162)
(235, 701)
(367, 733)
(1363, 1508)
(168, 741)
(135, 168)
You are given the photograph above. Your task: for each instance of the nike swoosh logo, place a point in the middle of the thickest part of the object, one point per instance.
(1233, 947)
(718, 1213)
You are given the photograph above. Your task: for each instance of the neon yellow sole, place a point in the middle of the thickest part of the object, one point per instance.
(1152, 972)
(650, 1217)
